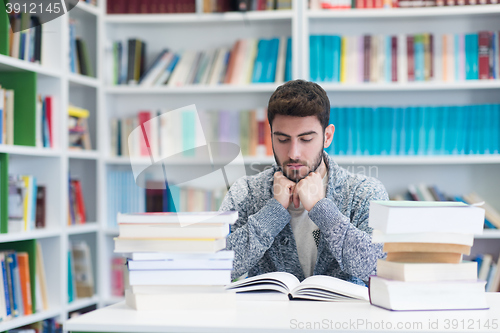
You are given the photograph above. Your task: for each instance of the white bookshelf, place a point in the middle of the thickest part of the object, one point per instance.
(456, 174)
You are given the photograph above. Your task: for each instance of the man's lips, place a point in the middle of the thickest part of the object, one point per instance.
(294, 166)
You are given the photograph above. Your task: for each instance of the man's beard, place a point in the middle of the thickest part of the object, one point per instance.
(295, 176)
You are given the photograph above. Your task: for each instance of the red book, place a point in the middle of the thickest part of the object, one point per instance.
(143, 118)
(360, 4)
(394, 58)
(133, 6)
(369, 4)
(484, 55)
(232, 61)
(109, 6)
(24, 277)
(395, 3)
(366, 58)
(144, 6)
(410, 51)
(48, 109)
(154, 7)
(80, 203)
(162, 6)
(379, 4)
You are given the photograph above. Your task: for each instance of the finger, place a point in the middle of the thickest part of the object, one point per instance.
(296, 198)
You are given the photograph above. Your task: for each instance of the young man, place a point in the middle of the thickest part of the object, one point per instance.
(306, 216)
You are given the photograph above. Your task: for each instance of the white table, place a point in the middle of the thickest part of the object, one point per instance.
(279, 316)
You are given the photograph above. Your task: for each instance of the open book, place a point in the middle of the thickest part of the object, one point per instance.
(317, 287)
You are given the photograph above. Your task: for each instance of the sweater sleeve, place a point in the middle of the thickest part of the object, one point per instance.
(252, 235)
(351, 242)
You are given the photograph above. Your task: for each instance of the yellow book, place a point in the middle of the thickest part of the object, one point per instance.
(77, 112)
(26, 202)
(343, 60)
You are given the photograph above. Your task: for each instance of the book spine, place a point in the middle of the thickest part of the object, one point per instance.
(484, 55)
(411, 57)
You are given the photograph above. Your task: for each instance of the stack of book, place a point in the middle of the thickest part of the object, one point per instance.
(425, 242)
(176, 258)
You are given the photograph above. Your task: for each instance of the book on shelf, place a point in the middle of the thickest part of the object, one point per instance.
(42, 294)
(23, 40)
(79, 137)
(150, 6)
(247, 61)
(76, 203)
(118, 272)
(26, 208)
(389, 4)
(416, 130)
(170, 135)
(18, 290)
(404, 58)
(83, 272)
(79, 57)
(221, 6)
(317, 287)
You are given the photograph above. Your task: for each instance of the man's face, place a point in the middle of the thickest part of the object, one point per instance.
(298, 144)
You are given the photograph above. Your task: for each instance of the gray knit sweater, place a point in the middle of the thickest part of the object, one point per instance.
(262, 237)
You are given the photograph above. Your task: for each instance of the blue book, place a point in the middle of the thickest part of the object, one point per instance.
(174, 199)
(420, 139)
(349, 121)
(17, 284)
(386, 126)
(288, 63)
(419, 58)
(321, 58)
(402, 130)
(12, 291)
(340, 131)
(314, 54)
(271, 60)
(441, 114)
(5, 286)
(466, 127)
(431, 115)
(333, 149)
(358, 131)
(484, 134)
(396, 114)
(493, 53)
(336, 57)
(377, 132)
(388, 58)
(259, 62)
(411, 131)
(495, 135)
(368, 130)
(448, 129)
(328, 58)
(471, 57)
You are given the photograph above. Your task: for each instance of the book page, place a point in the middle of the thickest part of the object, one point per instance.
(330, 285)
(279, 281)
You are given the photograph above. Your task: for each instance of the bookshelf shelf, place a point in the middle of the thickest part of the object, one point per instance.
(86, 228)
(26, 320)
(29, 151)
(404, 12)
(11, 64)
(82, 80)
(200, 17)
(35, 234)
(413, 86)
(81, 303)
(195, 89)
(91, 9)
(83, 154)
(489, 234)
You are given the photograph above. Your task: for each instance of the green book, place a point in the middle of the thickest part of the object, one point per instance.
(28, 246)
(86, 59)
(71, 287)
(24, 85)
(4, 31)
(4, 193)
(244, 133)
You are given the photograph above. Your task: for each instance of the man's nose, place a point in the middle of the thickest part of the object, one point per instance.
(294, 151)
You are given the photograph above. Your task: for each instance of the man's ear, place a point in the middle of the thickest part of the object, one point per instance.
(329, 131)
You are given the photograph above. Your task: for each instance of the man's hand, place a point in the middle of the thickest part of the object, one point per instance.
(309, 190)
(283, 189)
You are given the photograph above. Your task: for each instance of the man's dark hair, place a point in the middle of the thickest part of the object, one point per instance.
(300, 98)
